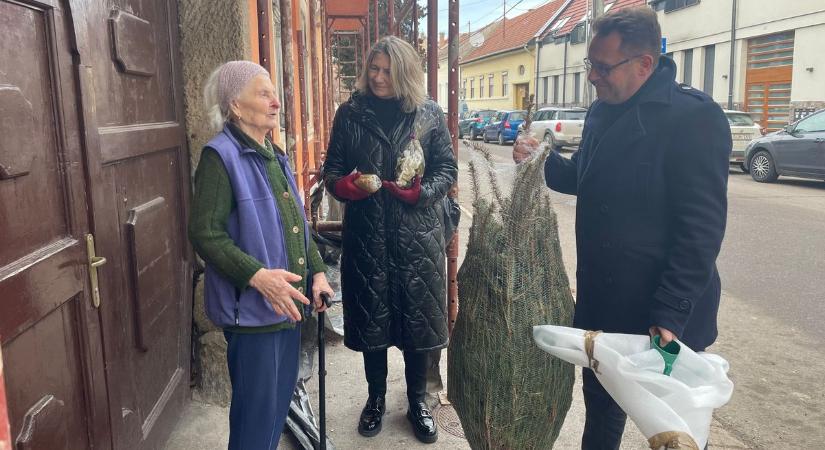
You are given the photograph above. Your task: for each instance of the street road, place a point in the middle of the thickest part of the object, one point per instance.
(772, 266)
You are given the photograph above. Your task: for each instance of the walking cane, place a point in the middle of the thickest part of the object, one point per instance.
(322, 373)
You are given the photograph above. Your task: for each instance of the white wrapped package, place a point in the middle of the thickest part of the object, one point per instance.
(672, 411)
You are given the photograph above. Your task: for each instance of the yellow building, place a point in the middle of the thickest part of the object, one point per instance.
(500, 72)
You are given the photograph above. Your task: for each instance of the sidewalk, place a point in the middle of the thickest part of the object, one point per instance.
(205, 427)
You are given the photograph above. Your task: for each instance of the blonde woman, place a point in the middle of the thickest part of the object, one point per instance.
(393, 262)
(247, 223)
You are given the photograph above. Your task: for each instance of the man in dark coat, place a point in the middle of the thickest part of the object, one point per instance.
(393, 279)
(650, 178)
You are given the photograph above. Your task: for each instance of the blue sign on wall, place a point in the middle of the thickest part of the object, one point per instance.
(664, 45)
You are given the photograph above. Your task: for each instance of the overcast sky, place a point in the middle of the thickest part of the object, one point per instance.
(478, 12)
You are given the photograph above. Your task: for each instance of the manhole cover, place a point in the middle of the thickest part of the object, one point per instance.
(448, 420)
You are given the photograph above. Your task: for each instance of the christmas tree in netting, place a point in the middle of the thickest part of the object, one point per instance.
(507, 392)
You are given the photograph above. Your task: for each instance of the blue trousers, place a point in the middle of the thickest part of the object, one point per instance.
(604, 419)
(263, 368)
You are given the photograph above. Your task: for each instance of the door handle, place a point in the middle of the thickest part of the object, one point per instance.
(94, 262)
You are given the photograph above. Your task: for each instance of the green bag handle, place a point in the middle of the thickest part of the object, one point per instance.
(669, 353)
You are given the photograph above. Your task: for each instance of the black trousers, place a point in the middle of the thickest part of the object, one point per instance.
(415, 372)
(604, 419)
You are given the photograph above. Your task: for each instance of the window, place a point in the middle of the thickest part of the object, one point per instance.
(545, 86)
(687, 67)
(504, 84)
(472, 88)
(739, 119)
(577, 87)
(464, 88)
(577, 36)
(673, 5)
(556, 89)
(481, 86)
(710, 57)
(490, 85)
(810, 124)
(572, 115)
(771, 51)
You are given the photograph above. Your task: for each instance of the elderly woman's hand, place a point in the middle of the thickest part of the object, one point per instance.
(319, 286)
(275, 286)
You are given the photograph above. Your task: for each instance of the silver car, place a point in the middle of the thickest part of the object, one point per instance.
(558, 127)
(742, 130)
(798, 150)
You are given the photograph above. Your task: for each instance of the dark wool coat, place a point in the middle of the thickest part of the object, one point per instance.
(650, 213)
(393, 262)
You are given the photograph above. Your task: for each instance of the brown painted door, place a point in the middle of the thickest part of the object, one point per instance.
(768, 79)
(92, 143)
(137, 159)
(49, 328)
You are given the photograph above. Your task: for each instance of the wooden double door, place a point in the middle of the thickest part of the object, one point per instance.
(93, 161)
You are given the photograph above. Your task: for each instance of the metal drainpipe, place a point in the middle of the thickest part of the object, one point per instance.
(452, 124)
(564, 76)
(288, 103)
(732, 54)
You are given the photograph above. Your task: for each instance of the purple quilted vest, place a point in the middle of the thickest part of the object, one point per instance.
(255, 227)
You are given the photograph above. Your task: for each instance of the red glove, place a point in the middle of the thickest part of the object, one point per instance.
(409, 195)
(346, 188)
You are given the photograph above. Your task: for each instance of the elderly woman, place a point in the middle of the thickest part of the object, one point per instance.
(393, 262)
(247, 223)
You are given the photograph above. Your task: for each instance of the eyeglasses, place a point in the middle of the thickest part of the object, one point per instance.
(603, 69)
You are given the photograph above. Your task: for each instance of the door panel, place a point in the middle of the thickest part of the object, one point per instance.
(138, 160)
(48, 327)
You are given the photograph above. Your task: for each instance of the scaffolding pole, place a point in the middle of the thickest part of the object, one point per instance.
(288, 73)
(432, 48)
(452, 123)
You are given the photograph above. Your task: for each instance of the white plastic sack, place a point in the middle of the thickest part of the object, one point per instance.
(671, 411)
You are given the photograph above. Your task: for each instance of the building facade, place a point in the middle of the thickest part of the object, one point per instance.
(561, 78)
(776, 69)
(500, 71)
(772, 70)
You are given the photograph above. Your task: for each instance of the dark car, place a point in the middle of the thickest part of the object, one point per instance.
(798, 150)
(474, 122)
(504, 126)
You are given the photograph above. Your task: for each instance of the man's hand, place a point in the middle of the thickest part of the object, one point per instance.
(319, 286)
(274, 285)
(409, 196)
(666, 335)
(524, 148)
(347, 189)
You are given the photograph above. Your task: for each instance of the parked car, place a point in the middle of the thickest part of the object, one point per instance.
(504, 126)
(742, 130)
(474, 122)
(798, 150)
(558, 127)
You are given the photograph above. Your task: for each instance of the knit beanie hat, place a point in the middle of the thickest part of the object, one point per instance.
(233, 77)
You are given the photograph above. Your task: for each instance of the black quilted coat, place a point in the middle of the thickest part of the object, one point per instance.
(393, 262)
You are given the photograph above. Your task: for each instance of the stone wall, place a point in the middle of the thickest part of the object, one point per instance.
(212, 32)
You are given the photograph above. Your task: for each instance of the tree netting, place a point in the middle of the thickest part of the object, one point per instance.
(508, 393)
